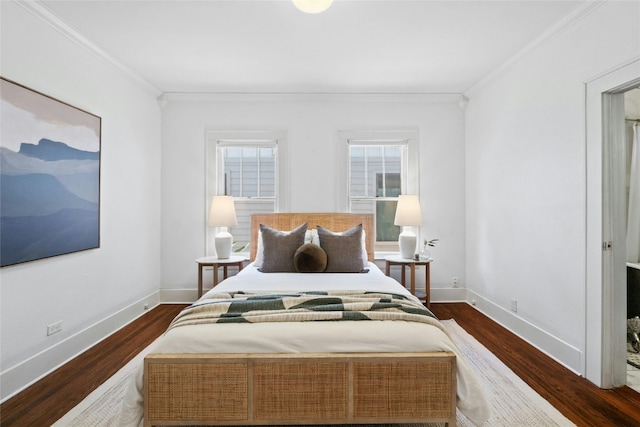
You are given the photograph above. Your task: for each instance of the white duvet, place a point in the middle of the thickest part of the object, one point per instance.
(292, 337)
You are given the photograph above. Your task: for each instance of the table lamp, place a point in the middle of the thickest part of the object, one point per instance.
(408, 214)
(223, 214)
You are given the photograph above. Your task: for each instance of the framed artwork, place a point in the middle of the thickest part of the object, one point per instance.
(49, 176)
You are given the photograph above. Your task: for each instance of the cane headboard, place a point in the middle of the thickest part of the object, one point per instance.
(336, 222)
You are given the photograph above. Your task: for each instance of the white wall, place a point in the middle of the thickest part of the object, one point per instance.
(517, 185)
(92, 292)
(632, 104)
(526, 180)
(312, 123)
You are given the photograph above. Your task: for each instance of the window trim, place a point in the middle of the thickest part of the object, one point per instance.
(377, 137)
(215, 138)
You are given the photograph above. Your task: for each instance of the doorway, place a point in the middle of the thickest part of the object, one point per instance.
(606, 323)
(632, 140)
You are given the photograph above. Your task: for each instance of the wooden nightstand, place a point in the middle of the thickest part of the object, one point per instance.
(212, 261)
(411, 263)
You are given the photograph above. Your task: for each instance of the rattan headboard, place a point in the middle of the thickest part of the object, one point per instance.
(337, 222)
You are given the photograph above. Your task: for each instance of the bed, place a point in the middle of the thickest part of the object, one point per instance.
(274, 372)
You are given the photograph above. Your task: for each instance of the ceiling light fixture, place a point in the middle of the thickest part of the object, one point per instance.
(312, 6)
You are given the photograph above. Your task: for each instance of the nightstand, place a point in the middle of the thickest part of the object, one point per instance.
(215, 262)
(411, 263)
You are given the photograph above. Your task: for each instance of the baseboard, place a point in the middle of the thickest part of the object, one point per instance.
(448, 295)
(178, 296)
(22, 375)
(567, 355)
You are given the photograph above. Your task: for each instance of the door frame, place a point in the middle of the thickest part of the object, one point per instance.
(605, 293)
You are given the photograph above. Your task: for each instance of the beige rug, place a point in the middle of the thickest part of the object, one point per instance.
(512, 401)
(633, 358)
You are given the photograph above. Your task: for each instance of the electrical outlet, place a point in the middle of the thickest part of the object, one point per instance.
(454, 281)
(54, 328)
(514, 305)
(146, 306)
(473, 302)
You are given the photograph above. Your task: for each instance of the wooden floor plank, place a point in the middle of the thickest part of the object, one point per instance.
(585, 404)
(49, 399)
(578, 399)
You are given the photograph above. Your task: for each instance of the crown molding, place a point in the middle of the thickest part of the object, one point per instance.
(574, 16)
(47, 16)
(313, 97)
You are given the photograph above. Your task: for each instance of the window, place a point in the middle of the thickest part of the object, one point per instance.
(381, 166)
(248, 170)
(245, 165)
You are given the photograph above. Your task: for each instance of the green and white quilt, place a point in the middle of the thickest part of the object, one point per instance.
(253, 307)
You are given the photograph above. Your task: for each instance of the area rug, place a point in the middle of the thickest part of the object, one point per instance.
(633, 358)
(512, 401)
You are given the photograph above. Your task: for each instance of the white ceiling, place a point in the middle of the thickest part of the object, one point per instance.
(378, 46)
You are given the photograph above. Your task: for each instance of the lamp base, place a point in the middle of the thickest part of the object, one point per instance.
(223, 242)
(407, 242)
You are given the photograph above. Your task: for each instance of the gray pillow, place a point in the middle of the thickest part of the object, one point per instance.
(280, 247)
(344, 250)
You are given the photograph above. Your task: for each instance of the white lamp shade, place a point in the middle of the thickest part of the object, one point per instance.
(312, 6)
(222, 212)
(408, 210)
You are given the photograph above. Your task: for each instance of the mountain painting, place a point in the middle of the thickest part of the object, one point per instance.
(49, 176)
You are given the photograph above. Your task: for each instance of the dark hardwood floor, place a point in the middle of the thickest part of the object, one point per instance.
(49, 399)
(578, 399)
(583, 403)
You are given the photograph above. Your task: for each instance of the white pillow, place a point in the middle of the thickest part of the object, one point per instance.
(310, 236)
(314, 238)
(365, 258)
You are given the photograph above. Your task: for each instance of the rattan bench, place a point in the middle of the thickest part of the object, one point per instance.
(319, 388)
